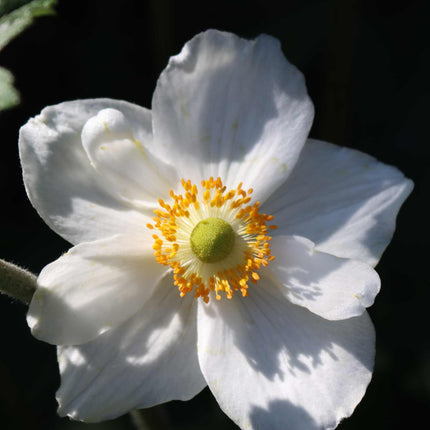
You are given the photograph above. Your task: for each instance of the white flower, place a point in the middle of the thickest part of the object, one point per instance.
(288, 343)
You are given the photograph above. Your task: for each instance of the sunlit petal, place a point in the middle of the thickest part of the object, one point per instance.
(274, 365)
(149, 359)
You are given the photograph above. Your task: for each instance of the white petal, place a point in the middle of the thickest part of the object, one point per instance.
(274, 365)
(125, 162)
(62, 185)
(232, 108)
(331, 287)
(150, 359)
(93, 288)
(345, 201)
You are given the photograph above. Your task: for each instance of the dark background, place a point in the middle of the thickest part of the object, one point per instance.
(367, 71)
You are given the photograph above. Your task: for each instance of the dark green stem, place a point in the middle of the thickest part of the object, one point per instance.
(153, 418)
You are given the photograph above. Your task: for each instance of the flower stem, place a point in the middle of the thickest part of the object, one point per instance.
(16, 282)
(150, 419)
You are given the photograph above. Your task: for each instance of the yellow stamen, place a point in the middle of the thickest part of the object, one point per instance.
(176, 221)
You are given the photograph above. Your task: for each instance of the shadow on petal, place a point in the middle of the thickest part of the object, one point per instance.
(150, 359)
(280, 339)
(232, 108)
(343, 200)
(282, 414)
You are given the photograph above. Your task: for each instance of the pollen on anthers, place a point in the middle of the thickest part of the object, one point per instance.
(214, 239)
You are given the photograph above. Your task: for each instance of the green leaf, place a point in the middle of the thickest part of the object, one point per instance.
(17, 21)
(9, 96)
(8, 5)
(12, 24)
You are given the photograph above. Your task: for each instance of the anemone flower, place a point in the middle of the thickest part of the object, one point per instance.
(214, 244)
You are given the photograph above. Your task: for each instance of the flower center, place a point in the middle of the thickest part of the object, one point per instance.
(214, 240)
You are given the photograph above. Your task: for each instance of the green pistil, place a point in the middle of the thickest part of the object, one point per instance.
(212, 240)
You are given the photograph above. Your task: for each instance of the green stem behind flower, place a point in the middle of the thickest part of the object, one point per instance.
(151, 419)
(17, 283)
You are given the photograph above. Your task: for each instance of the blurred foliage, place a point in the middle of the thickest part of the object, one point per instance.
(9, 96)
(22, 13)
(9, 5)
